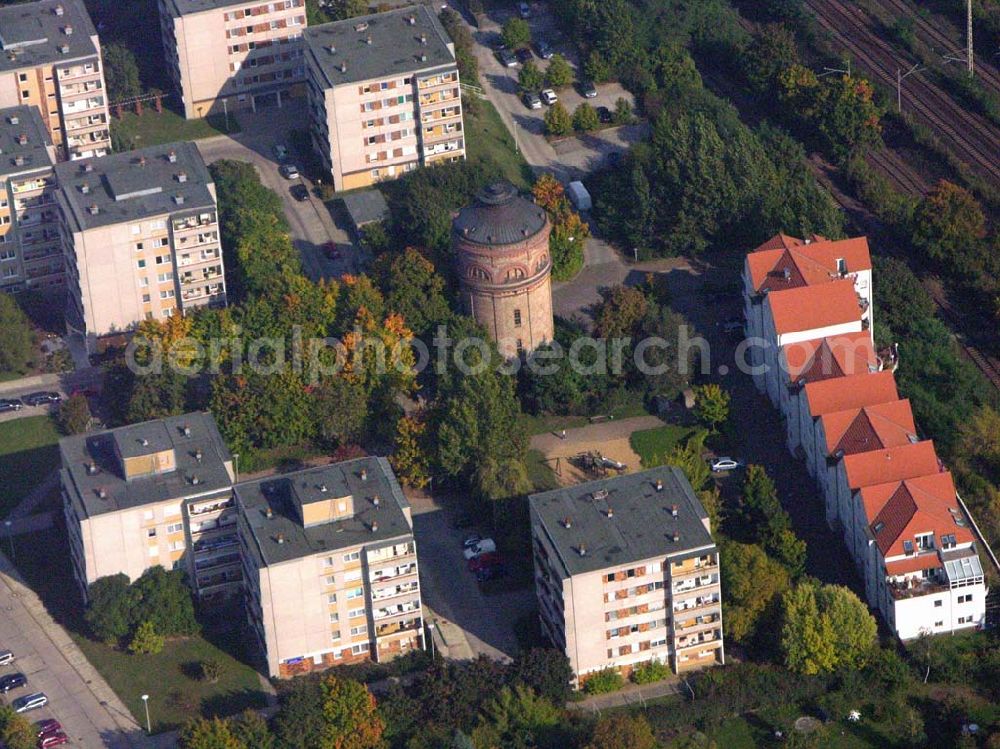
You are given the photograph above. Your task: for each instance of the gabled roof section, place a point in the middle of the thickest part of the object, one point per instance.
(897, 511)
(854, 391)
(859, 430)
(834, 356)
(808, 262)
(814, 307)
(891, 464)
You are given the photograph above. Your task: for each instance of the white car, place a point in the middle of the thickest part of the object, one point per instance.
(6, 657)
(485, 546)
(724, 464)
(549, 96)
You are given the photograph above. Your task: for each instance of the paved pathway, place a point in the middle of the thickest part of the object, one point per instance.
(35, 497)
(78, 697)
(607, 430)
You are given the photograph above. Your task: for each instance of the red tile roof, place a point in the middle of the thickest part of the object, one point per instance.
(809, 262)
(913, 564)
(854, 391)
(899, 510)
(814, 307)
(891, 464)
(858, 430)
(834, 356)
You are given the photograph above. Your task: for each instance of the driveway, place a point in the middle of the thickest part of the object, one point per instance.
(90, 712)
(310, 221)
(469, 622)
(64, 383)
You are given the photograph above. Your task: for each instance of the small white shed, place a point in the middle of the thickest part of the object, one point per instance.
(579, 196)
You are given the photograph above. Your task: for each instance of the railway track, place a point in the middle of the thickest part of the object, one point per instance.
(937, 109)
(898, 171)
(988, 365)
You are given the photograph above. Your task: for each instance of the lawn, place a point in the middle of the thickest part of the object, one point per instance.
(654, 445)
(28, 453)
(153, 128)
(539, 473)
(170, 677)
(488, 139)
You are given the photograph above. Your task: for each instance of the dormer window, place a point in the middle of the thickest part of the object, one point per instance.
(842, 266)
(908, 547)
(948, 541)
(925, 541)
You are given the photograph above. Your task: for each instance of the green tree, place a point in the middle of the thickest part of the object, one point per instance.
(300, 722)
(603, 681)
(516, 33)
(546, 671)
(596, 69)
(848, 115)
(557, 120)
(15, 731)
(74, 414)
(16, 337)
(854, 627)
(341, 408)
(620, 312)
(110, 604)
(414, 289)
(340, 10)
(902, 300)
(412, 452)
(516, 719)
(650, 672)
(208, 733)
(164, 601)
(146, 640)
(711, 405)
(770, 52)
(530, 78)
(120, 72)
(251, 730)
(585, 118)
(752, 583)
(622, 730)
(350, 715)
(824, 628)
(623, 112)
(559, 73)
(948, 222)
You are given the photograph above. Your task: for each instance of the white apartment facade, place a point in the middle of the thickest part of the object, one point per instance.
(224, 55)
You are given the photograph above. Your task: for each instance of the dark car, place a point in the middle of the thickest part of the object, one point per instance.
(12, 681)
(47, 726)
(588, 89)
(604, 115)
(523, 55)
(494, 572)
(506, 58)
(543, 49)
(41, 398)
(299, 192)
(10, 404)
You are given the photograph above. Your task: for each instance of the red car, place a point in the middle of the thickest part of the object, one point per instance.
(47, 726)
(331, 251)
(53, 739)
(483, 561)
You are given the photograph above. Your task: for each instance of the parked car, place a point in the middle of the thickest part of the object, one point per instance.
(493, 572)
(524, 10)
(12, 681)
(506, 58)
(544, 49)
(484, 560)
(724, 464)
(588, 89)
(280, 152)
(531, 101)
(30, 702)
(299, 192)
(6, 657)
(331, 251)
(14, 404)
(604, 115)
(57, 738)
(48, 725)
(549, 96)
(289, 171)
(41, 398)
(472, 540)
(486, 546)
(523, 55)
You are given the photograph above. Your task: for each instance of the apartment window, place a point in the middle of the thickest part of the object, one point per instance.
(359, 630)
(355, 613)
(25, 94)
(157, 225)
(334, 617)
(352, 576)
(925, 541)
(938, 603)
(175, 527)
(330, 580)
(517, 318)
(162, 259)
(335, 635)
(354, 593)
(332, 598)
(167, 294)
(948, 541)
(164, 277)
(938, 624)
(352, 557)
(328, 562)
(359, 648)
(140, 263)
(139, 246)
(176, 545)
(135, 229)
(169, 312)
(151, 532)
(144, 282)
(965, 599)
(22, 77)
(146, 299)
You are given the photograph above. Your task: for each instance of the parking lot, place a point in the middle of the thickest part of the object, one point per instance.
(311, 224)
(470, 622)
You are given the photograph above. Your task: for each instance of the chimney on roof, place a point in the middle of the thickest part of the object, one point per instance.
(423, 38)
(85, 188)
(143, 441)
(195, 480)
(567, 522)
(181, 176)
(58, 10)
(18, 160)
(343, 67)
(94, 210)
(281, 538)
(14, 119)
(423, 57)
(375, 500)
(64, 49)
(91, 468)
(23, 139)
(68, 30)
(412, 20)
(102, 493)
(374, 526)
(611, 512)
(659, 485)
(582, 550)
(368, 40)
(364, 474)
(172, 156)
(268, 512)
(331, 50)
(674, 510)
(197, 455)
(676, 536)
(88, 167)
(186, 430)
(179, 199)
(322, 488)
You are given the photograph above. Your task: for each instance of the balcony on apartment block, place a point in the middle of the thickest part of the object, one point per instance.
(403, 589)
(394, 627)
(209, 507)
(213, 562)
(391, 573)
(688, 624)
(78, 106)
(697, 604)
(405, 608)
(694, 583)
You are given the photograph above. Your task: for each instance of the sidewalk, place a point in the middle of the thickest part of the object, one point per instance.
(603, 432)
(630, 694)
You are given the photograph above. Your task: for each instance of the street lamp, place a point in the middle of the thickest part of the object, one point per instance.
(145, 702)
(10, 540)
(430, 630)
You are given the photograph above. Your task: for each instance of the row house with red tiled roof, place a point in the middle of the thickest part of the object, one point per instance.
(808, 304)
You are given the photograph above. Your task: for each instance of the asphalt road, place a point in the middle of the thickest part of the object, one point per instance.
(310, 222)
(65, 384)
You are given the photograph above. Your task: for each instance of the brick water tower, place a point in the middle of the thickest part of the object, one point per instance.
(504, 268)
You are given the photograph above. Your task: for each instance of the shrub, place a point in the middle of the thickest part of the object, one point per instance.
(210, 670)
(650, 671)
(603, 682)
(557, 120)
(585, 118)
(74, 415)
(146, 641)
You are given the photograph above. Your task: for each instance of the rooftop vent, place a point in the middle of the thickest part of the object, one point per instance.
(359, 27)
(141, 161)
(322, 488)
(58, 10)
(611, 512)
(281, 538)
(14, 119)
(64, 49)
(195, 480)
(268, 512)
(423, 38)
(181, 176)
(88, 167)
(659, 485)
(91, 469)
(343, 67)
(374, 526)
(18, 161)
(68, 30)
(676, 536)
(412, 20)
(364, 474)
(331, 50)
(94, 210)
(422, 57)
(23, 139)
(368, 40)
(186, 430)
(172, 156)
(102, 493)
(582, 550)
(179, 199)
(85, 188)
(567, 522)
(144, 442)
(376, 500)
(198, 455)
(674, 510)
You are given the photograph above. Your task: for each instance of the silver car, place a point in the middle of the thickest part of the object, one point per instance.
(30, 702)
(6, 657)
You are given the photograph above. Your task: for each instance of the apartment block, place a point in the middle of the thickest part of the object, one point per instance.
(384, 96)
(224, 55)
(31, 254)
(156, 493)
(51, 60)
(626, 572)
(330, 565)
(141, 239)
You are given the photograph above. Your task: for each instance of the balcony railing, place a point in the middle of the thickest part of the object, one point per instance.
(387, 612)
(220, 561)
(391, 628)
(400, 590)
(389, 573)
(208, 507)
(696, 604)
